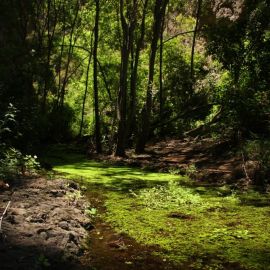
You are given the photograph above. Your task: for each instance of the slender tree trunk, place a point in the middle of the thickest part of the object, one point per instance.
(105, 81)
(51, 26)
(161, 94)
(70, 50)
(95, 81)
(61, 54)
(47, 75)
(194, 44)
(86, 85)
(134, 75)
(122, 95)
(159, 13)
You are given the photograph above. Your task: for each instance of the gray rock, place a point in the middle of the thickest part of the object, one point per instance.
(63, 225)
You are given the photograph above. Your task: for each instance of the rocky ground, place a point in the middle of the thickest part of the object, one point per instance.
(45, 226)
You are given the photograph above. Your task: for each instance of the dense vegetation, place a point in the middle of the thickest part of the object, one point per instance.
(112, 76)
(124, 72)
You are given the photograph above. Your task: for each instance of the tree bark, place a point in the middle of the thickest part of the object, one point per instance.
(194, 44)
(95, 81)
(122, 95)
(86, 86)
(134, 75)
(159, 13)
(161, 94)
(70, 50)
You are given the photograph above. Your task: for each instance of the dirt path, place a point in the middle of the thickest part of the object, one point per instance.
(213, 160)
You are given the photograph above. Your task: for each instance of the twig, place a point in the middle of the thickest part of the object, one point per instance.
(1, 219)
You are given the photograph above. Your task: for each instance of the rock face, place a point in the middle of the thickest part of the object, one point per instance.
(218, 9)
(45, 225)
(230, 9)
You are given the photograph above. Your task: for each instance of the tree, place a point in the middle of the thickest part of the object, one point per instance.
(126, 44)
(95, 80)
(159, 13)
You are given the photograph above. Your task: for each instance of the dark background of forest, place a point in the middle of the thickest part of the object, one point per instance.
(114, 75)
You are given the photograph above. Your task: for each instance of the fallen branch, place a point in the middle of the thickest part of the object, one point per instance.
(1, 219)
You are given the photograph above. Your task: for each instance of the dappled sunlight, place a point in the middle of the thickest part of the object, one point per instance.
(190, 223)
(118, 177)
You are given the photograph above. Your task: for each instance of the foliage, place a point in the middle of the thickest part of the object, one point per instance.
(170, 196)
(91, 212)
(240, 45)
(258, 151)
(8, 128)
(15, 163)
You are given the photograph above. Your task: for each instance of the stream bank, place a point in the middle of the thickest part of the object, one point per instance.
(45, 226)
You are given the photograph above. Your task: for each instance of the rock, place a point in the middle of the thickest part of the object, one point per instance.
(27, 234)
(11, 219)
(3, 185)
(74, 185)
(45, 221)
(57, 193)
(44, 235)
(72, 237)
(74, 224)
(18, 211)
(64, 225)
(37, 219)
(87, 226)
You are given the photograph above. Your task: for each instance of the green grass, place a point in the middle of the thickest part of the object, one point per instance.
(203, 227)
(104, 174)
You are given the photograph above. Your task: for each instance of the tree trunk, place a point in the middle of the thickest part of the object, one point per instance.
(159, 13)
(122, 95)
(161, 94)
(95, 81)
(134, 75)
(50, 33)
(86, 86)
(70, 51)
(194, 44)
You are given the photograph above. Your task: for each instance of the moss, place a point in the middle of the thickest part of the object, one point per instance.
(225, 228)
(224, 231)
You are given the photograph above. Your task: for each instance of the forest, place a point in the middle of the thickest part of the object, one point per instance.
(134, 134)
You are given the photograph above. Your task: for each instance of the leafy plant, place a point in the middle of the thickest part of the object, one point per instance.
(42, 262)
(169, 196)
(15, 163)
(74, 196)
(191, 170)
(7, 127)
(91, 212)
